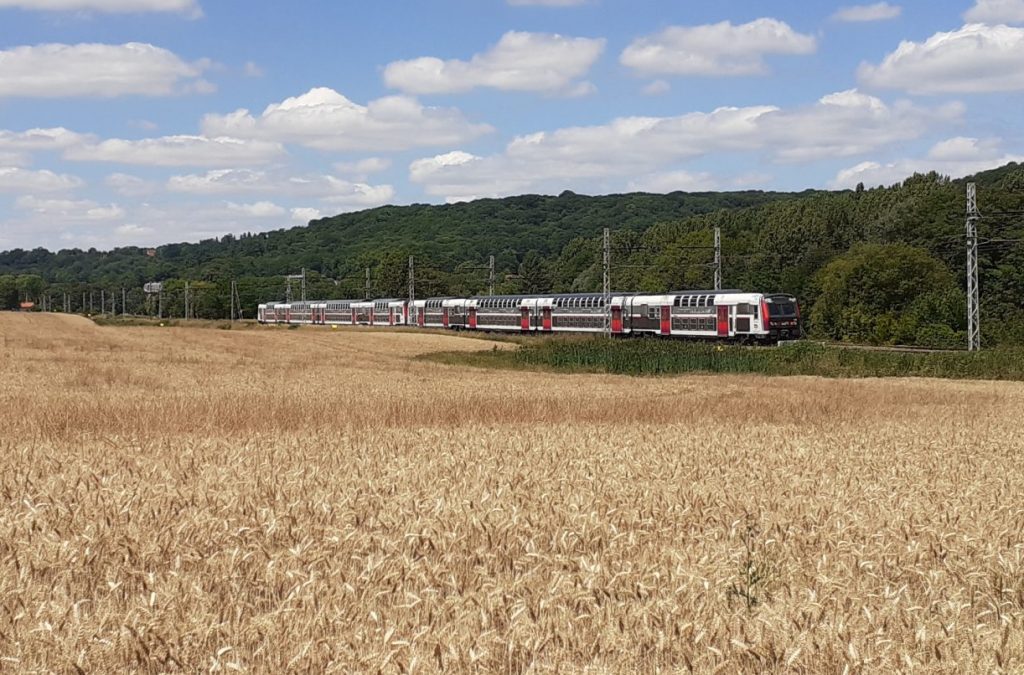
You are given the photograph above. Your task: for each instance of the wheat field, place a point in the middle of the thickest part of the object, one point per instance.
(272, 500)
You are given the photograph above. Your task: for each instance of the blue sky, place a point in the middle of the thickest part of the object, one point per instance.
(139, 122)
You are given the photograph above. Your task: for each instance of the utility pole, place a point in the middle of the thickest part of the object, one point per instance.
(124, 302)
(490, 277)
(412, 284)
(83, 302)
(236, 301)
(90, 300)
(607, 282)
(973, 296)
(366, 293)
(718, 258)
(186, 301)
(303, 284)
(103, 301)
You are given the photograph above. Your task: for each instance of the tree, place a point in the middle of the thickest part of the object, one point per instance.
(886, 293)
(8, 291)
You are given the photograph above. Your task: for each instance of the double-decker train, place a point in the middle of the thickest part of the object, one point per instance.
(721, 315)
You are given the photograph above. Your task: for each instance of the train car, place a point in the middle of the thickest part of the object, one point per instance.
(398, 312)
(782, 317)
(498, 313)
(362, 313)
(455, 312)
(338, 312)
(383, 312)
(430, 313)
(576, 313)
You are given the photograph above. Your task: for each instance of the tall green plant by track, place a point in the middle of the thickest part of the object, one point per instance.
(651, 357)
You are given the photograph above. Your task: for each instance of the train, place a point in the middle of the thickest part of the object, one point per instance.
(711, 315)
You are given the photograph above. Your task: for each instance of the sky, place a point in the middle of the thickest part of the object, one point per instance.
(142, 122)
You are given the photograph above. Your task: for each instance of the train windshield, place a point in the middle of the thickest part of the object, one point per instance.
(783, 307)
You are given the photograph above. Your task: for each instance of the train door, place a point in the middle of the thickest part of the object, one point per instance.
(391, 316)
(525, 318)
(421, 317)
(616, 319)
(546, 318)
(444, 317)
(472, 318)
(723, 321)
(666, 319)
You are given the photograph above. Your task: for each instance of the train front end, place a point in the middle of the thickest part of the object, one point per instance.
(782, 314)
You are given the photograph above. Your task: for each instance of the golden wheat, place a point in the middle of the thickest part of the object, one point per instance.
(272, 500)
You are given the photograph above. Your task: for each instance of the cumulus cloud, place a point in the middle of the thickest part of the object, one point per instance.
(996, 11)
(187, 7)
(128, 185)
(56, 138)
(843, 124)
(973, 59)
(328, 189)
(18, 180)
(59, 71)
(519, 62)
(720, 49)
(672, 181)
(178, 151)
(880, 11)
(325, 120)
(263, 209)
(956, 157)
(363, 167)
(68, 210)
(305, 214)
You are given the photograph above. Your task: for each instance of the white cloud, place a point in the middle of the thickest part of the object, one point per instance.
(252, 70)
(57, 138)
(973, 59)
(68, 210)
(178, 151)
(129, 186)
(11, 159)
(14, 179)
(839, 125)
(325, 120)
(305, 214)
(720, 49)
(328, 189)
(954, 157)
(263, 209)
(60, 71)
(519, 62)
(363, 167)
(996, 11)
(672, 181)
(880, 11)
(188, 7)
(657, 88)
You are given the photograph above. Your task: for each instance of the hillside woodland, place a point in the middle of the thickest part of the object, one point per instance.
(882, 265)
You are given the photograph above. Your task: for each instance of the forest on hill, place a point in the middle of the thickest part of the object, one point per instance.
(882, 265)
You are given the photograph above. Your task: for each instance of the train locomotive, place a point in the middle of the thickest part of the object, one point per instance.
(717, 315)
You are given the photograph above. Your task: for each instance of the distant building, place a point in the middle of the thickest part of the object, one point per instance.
(151, 252)
(26, 306)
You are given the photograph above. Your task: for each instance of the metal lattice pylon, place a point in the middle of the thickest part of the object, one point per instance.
(973, 295)
(606, 287)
